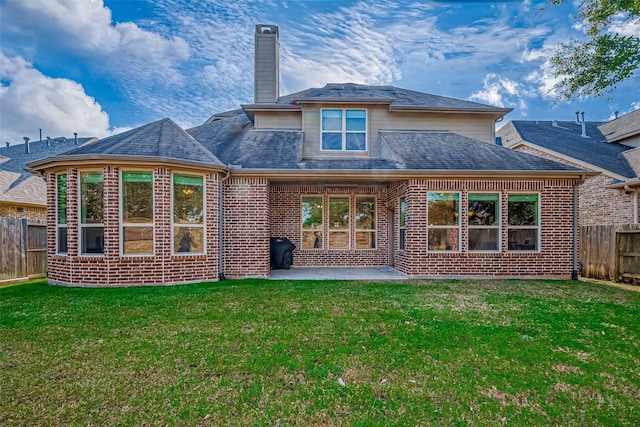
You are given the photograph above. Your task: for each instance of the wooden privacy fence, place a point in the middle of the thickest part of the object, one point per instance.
(610, 252)
(23, 249)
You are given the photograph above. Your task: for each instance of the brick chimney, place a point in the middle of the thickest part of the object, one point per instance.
(266, 79)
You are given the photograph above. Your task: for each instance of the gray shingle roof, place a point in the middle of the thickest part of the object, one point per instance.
(235, 142)
(450, 151)
(621, 128)
(565, 139)
(395, 96)
(162, 139)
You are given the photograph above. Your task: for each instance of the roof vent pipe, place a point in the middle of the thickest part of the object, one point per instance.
(7, 144)
(27, 147)
(577, 117)
(615, 114)
(584, 127)
(75, 138)
(48, 141)
(554, 123)
(40, 135)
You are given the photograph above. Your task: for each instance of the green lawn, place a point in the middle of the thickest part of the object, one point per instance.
(259, 352)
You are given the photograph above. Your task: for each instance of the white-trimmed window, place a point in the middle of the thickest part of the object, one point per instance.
(339, 217)
(443, 219)
(484, 221)
(402, 226)
(365, 222)
(344, 130)
(524, 222)
(187, 221)
(312, 222)
(61, 214)
(91, 212)
(136, 213)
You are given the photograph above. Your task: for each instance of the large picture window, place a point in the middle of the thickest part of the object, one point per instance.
(188, 213)
(91, 213)
(443, 219)
(61, 214)
(136, 213)
(339, 222)
(344, 130)
(484, 222)
(365, 222)
(524, 222)
(402, 235)
(312, 222)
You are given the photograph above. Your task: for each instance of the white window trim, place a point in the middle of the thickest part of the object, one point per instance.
(446, 227)
(344, 131)
(526, 227)
(482, 227)
(59, 226)
(374, 230)
(121, 214)
(400, 227)
(204, 215)
(83, 226)
(349, 226)
(302, 229)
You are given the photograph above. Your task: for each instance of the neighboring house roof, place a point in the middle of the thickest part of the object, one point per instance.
(397, 98)
(162, 140)
(566, 139)
(19, 186)
(622, 128)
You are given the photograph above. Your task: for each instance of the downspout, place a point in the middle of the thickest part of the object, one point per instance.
(221, 224)
(574, 271)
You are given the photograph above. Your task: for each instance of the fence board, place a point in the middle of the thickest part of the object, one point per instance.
(628, 260)
(598, 251)
(23, 249)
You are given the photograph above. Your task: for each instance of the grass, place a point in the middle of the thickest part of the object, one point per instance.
(257, 352)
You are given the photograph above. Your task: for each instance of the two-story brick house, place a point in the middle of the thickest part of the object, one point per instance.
(353, 175)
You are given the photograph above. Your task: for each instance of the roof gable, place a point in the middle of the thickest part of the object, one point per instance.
(621, 128)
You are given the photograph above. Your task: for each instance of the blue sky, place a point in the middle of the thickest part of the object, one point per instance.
(98, 66)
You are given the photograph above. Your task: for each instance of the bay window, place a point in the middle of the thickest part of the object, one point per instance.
(187, 221)
(344, 130)
(136, 210)
(91, 212)
(484, 222)
(312, 222)
(443, 219)
(61, 214)
(524, 222)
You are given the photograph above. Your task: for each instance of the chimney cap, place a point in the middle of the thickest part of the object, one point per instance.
(266, 29)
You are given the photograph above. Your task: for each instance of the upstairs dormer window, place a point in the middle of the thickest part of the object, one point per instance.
(344, 130)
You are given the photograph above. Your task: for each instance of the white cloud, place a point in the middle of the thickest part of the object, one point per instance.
(623, 25)
(502, 92)
(58, 106)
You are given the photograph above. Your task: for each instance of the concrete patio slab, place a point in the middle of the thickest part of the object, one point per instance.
(338, 273)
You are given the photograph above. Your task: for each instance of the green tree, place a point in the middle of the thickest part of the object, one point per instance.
(595, 66)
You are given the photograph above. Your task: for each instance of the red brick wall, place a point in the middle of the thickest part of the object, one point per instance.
(554, 258)
(246, 227)
(286, 222)
(111, 269)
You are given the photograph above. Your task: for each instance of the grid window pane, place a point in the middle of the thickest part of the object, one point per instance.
(443, 208)
(62, 240)
(339, 240)
(188, 239)
(331, 120)
(188, 199)
(92, 240)
(523, 239)
(443, 239)
(339, 213)
(365, 239)
(484, 209)
(483, 239)
(523, 209)
(137, 197)
(62, 199)
(137, 240)
(356, 120)
(312, 239)
(365, 213)
(332, 141)
(312, 222)
(356, 141)
(91, 194)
